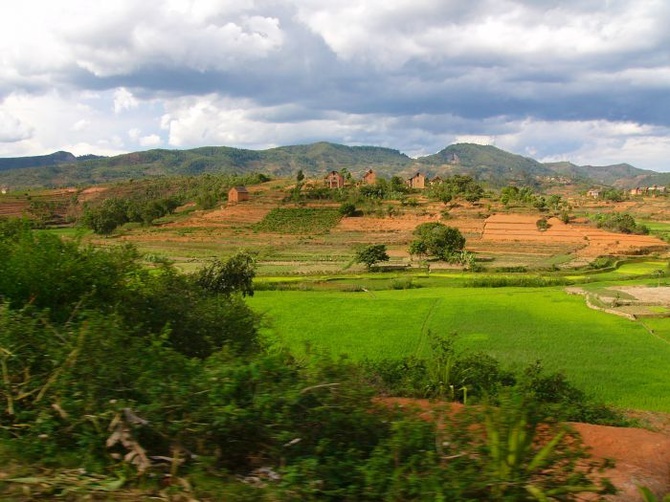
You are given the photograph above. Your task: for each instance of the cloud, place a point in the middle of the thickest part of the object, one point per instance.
(152, 140)
(12, 129)
(124, 100)
(544, 76)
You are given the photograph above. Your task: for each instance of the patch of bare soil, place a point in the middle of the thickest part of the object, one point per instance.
(91, 193)
(648, 295)
(632, 302)
(586, 240)
(231, 215)
(642, 457)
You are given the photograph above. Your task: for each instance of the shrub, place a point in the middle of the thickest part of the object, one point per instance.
(371, 255)
(348, 209)
(620, 222)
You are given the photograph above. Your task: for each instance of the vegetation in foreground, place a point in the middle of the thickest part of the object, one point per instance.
(159, 380)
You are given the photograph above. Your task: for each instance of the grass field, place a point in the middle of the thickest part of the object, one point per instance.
(612, 358)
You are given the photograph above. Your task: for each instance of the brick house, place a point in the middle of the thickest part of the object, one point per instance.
(417, 181)
(370, 177)
(238, 194)
(334, 180)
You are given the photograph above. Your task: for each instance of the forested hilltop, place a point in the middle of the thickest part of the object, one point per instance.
(488, 164)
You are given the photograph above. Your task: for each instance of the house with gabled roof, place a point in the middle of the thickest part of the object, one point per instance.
(238, 194)
(334, 180)
(370, 177)
(417, 181)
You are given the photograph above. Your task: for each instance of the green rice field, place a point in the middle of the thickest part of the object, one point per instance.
(622, 362)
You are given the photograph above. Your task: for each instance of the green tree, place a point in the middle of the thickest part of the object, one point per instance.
(348, 209)
(437, 239)
(235, 275)
(372, 254)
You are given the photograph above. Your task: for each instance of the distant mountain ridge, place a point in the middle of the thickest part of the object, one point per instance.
(42, 160)
(489, 164)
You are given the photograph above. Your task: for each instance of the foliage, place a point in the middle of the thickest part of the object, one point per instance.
(612, 195)
(513, 194)
(114, 212)
(348, 209)
(620, 222)
(436, 239)
(379, 190)
(511, 460)
(62, 277)
(371, 255)
(236, 274)
(299, 220)
(542, 224)
(142, 365)
(59, 275)
(526, 468)
(453, 375)
(457, 186)
(525, 281)
(648, 495)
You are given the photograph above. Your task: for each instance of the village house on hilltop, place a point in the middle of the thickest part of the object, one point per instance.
(370, 177)
(334, 180)
(652, 190)
(238, 194)
(417, 181)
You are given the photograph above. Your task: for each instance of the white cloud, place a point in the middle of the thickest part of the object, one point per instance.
(150, 140)
(580, 78)
(81, 125)
(124, 100)
(12, 129)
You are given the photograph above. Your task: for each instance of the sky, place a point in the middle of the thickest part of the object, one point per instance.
(586, 81)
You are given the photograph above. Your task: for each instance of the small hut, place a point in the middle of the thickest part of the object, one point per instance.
(238, 194)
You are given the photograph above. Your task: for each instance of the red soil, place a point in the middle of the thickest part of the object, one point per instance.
(642, 457)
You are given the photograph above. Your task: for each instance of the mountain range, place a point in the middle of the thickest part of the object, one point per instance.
(492, 166)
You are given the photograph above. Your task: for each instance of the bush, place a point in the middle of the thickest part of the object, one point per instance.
(348, 209)
(620, 222)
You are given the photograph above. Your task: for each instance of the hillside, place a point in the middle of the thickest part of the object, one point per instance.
(619, 175)
(488, 163)
(42, 160)
(494, 167)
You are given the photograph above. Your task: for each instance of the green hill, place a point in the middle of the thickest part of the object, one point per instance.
(490, 165)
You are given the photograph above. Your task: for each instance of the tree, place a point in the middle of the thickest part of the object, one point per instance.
(369, 255)
(348, 209)
(234, 275)
(437, 239)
